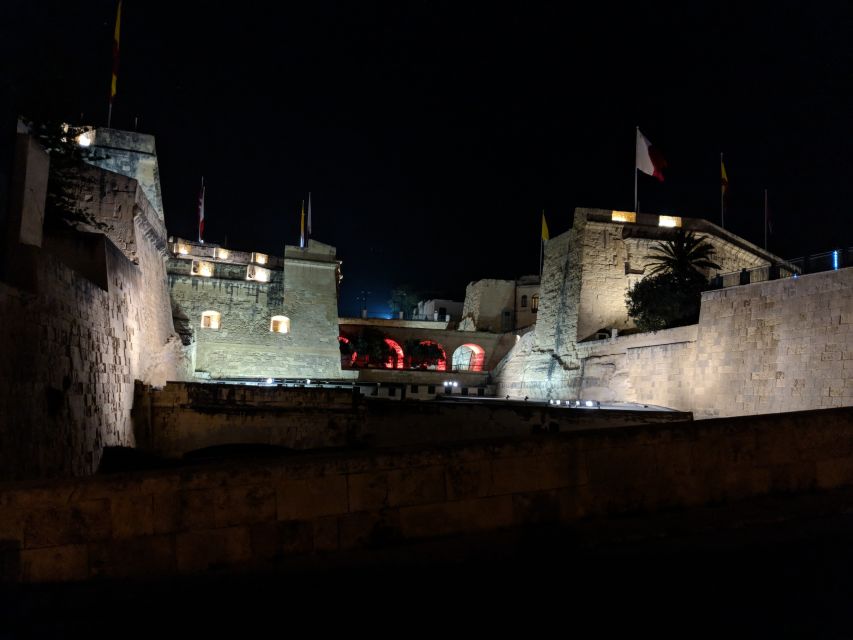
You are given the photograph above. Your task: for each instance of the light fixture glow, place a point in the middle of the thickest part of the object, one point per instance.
(669, 221)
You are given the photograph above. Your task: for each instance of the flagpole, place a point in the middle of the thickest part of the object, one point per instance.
(722, 197)
(636, 138)
(541, 249)
(765, 219)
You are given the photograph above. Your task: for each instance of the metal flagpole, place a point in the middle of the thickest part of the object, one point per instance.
(722, 195)
(636, 139)
(765, 219)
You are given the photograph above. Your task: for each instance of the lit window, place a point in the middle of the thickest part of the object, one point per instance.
(260, 258)
(280, 324)
(623, 216)
(523, 301)
(534, 303)
(259, 274)
(669, 221)
(202, 268)
(221, 253)
(211, 320)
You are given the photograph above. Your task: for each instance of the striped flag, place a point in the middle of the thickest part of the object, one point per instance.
(302, 228)
(201, 212)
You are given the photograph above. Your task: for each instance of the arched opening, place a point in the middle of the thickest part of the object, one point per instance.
(428, 354)
(395, 359)
(469, 357)
(348, 352)
(280, 324)
(211, 320)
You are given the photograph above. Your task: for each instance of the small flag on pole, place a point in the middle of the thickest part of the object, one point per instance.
(724, 179)
(649, 160)
(302, 228)
(545, 234)
(201, 212)
(309, 214)
(114, 82)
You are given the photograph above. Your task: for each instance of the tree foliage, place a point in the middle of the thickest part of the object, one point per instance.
(370, 344)
(672, 293)
(423, 353)
(666, 300)
(684, 255)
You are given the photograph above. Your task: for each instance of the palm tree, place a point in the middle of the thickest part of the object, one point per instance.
(685, 255)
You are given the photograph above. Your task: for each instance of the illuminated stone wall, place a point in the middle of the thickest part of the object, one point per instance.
(777, 346)
(244, 347)
(586, 275)
(486, 301)
(96, 319)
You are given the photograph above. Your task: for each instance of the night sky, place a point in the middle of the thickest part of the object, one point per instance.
(433, 134)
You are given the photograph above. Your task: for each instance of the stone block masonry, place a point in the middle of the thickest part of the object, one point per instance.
(263, 514)
(244, 346)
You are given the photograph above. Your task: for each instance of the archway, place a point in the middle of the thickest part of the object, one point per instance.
(348, 353)
(469, 357)
(395, 360)
(431, 362)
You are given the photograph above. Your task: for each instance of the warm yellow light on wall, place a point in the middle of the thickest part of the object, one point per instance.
(260, 258)
(280, 324)
(222, 254)
(202, 268)
(669, 221)
(182, 249)
(211, 320)
(259, 274)
(623, 216)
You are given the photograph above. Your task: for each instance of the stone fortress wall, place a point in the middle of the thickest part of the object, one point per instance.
(84, 315)
(774, 346)
(302, 289)
(496, 306)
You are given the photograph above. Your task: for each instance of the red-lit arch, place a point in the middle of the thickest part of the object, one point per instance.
(469, 357)
(441, 364)
(347, 360)
(395, 360)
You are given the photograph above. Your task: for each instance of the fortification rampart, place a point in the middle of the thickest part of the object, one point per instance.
(262, 515)
(776, 346)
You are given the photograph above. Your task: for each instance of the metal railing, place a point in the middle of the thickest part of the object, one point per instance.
(813, 263)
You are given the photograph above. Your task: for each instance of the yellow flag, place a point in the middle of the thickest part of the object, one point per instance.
(545, 235)
(115, 52)
(724, 179)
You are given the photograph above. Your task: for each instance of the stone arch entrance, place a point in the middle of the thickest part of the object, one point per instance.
(395, 360)
(469, 357)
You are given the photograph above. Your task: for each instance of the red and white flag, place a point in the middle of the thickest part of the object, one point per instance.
(649, 160)
(201, 212)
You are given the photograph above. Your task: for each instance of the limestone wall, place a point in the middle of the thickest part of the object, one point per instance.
(71, 354)
(95, 316)
(485, 303)
(263, 514)
(244, 346)
(774, 346)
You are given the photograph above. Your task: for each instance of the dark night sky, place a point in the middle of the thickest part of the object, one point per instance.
(433, 134)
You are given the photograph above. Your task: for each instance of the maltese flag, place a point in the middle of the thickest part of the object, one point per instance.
(649, 160)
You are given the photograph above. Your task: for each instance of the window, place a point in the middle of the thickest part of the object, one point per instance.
(534, 303)
(430, 388)
(623, 216)
(202, 268)
(506, 321)
(523, 301)
(258, 274)
(280, 324)
(211, 320)
(413, 388)
(669, 221)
